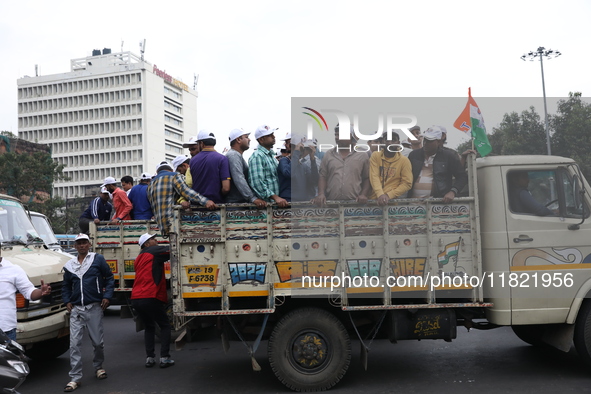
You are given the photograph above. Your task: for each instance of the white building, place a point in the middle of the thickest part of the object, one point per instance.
(113, 114)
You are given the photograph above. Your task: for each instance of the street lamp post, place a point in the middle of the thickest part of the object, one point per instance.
(542, 52)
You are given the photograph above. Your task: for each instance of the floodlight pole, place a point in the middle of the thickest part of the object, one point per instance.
(545, 106)
(541, 52)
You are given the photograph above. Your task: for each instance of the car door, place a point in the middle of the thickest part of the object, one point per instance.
(550, 253)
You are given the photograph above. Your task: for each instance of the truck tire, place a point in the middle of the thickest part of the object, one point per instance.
(582, 337)
(309, 350)
(531, 334)
(50, 349)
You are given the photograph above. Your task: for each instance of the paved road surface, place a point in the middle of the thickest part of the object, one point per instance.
(494, 361)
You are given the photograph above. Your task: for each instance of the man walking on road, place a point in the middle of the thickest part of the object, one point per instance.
(87, 288)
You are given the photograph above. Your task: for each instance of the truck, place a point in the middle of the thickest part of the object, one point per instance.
(43, 327)
(310, 278)
(45, 230)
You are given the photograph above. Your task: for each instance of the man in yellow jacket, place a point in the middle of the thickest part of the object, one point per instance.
(390, 173)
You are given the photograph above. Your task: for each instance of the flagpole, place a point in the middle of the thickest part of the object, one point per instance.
(471, 134)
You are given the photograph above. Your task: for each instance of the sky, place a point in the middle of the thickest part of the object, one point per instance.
(253, 56)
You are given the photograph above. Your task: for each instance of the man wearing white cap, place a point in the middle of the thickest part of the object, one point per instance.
(437, 172)
(100, 209)
(193, 147)
(161, 194)
(180, 164)
(87, 288)
(262, 164)
(121, 202)
(138, 195)
(210, 170)
(149, 297)
(240, 191)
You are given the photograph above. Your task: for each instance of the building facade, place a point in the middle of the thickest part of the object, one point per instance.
(113, 114)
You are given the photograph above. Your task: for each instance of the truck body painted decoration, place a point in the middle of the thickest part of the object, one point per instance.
(409, 266)
(364, 267)
(247, 272)
(289, 271)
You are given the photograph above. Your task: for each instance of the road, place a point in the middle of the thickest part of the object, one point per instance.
(493, 361)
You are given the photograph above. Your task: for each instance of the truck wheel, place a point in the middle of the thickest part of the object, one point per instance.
(582, 337)
(50, 349)
(309, 350)
(531, 334)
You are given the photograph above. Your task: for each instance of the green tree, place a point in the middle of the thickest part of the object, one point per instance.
(572, 128)
(23, 175)
(30, 177)
(522, 134)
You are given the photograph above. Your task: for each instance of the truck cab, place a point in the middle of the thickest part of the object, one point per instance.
(539, 262)
(42, 325)
(45, 231)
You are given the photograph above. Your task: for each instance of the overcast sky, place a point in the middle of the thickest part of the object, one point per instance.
(253, 56)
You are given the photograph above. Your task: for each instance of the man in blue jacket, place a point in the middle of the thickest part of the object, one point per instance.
(87, 288)
(138, 195)
(100, 209)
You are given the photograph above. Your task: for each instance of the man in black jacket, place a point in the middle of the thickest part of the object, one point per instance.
(86, 290)
(437, 172)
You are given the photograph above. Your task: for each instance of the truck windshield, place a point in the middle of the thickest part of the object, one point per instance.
(44, 229)
(15, 226)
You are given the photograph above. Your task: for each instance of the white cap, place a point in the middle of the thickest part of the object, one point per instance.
(262, 131)
(109, 181)
(144, 238)
(237, 133)
(163, 165)
(204, 135)
(81, 236)
(177, 161)
(104, 190)
(312, 142)
(287, 136)
(192, 141)
(146, 176)
(296, 139)
(432, 133)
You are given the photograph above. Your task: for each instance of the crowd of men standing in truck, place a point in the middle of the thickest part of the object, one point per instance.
(421, 167)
